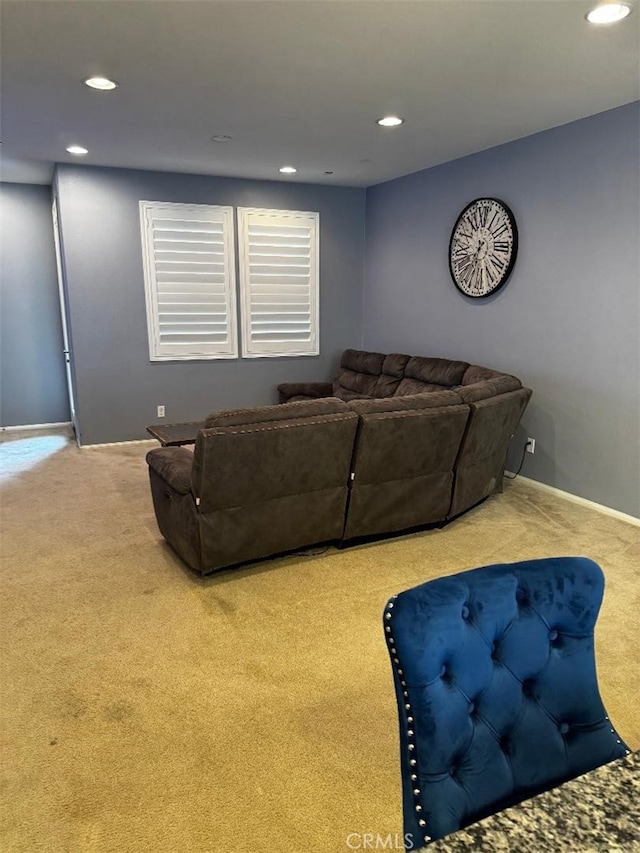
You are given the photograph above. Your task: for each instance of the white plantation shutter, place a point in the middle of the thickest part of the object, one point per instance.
(278, 282)
(189, 274)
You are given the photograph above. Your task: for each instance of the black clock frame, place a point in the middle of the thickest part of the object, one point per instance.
(514, 252)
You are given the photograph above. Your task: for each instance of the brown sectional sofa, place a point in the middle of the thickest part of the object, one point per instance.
(494, 403)
(395, 442)
(260, 481)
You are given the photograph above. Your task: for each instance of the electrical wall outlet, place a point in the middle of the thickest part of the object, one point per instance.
(160, 411)
(531, 445)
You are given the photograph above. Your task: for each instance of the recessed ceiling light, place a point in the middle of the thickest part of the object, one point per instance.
(78, 150)
(288, 170)
(608, 13)
(103, 84)
(390, 121)
(221, 137)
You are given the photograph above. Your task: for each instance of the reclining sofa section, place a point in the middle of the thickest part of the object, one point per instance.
(259, 482)
(394, 442)
(374, 383)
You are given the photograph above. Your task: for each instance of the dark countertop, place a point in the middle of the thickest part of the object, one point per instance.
(595, 813)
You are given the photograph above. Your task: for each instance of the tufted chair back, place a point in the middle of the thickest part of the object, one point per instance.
(496, 685)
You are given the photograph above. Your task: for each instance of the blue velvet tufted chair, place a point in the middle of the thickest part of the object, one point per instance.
(496, 685)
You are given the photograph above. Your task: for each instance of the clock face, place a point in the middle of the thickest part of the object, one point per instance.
(483, 247)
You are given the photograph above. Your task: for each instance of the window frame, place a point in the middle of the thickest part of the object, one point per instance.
(157, 351)
(279, 349)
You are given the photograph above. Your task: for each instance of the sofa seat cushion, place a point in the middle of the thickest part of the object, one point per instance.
(415, 386)
(290, 391)
(343, 394)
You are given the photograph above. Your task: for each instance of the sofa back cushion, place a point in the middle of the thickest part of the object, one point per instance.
(430, 374)
(480, 383)
(358, 374)
(480, 462)
(403, 464)
(247, 457)
(477, 373)
(392, 374)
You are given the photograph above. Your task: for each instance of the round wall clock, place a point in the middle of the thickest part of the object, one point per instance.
(483, 247)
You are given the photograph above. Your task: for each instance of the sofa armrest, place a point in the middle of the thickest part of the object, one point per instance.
(174, 465)
(312, 390)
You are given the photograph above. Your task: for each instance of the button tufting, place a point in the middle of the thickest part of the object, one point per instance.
(465, 612)
(443, 672)
(527, 686)
(563, 728)
(472, 708)
(521, 596)
(504, 743)
(553, 635)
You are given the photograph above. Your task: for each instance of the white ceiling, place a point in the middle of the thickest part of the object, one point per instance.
(299, 82)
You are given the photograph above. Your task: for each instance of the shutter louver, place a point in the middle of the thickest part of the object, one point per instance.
(190, 280)
(279, 282)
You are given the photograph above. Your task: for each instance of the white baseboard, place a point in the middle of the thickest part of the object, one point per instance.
(22, 427)
(576, 499)
(119, 443)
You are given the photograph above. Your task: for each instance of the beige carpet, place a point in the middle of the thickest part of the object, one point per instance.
(147, 709)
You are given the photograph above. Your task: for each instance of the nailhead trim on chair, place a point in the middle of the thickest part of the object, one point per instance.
(408, 717)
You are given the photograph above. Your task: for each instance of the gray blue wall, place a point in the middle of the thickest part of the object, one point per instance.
(567, 322)
(33, 387)
(117, 387)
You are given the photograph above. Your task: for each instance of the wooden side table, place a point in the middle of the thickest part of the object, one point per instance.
(175, 435)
